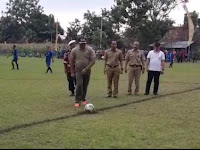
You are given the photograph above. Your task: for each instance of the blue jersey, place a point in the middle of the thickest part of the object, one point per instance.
(15, 57)
(171, 57)
(49, 56)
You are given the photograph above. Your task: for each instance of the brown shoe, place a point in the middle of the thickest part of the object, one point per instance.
(115, 96)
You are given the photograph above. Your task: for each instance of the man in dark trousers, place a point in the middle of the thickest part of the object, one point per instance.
(71, 80)
(155, 67)
(82, 59)
(15, 58)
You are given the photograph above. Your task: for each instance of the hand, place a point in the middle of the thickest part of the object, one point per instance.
(126, 70)
(84, 71)
(143, 70)
(121, 71)
(73, 75)
(162, 72)
(147, 70)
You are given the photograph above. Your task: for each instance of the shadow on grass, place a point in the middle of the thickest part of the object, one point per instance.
(22, 126)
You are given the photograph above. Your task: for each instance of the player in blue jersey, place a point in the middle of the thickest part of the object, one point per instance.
(49, 57)
(15, 57)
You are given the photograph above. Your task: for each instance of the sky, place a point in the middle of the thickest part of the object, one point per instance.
(67, 10)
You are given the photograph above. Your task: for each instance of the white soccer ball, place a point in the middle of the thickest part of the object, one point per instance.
(89, 108)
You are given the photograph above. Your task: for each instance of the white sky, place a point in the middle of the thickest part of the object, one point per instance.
(67, 10)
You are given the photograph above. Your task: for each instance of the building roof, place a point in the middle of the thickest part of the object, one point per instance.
(178, 44)
(175, 34)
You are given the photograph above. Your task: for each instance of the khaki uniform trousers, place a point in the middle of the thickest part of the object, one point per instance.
(113, 75)
(134, 73)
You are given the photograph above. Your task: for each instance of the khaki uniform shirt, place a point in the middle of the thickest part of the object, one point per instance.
(113, 58)
(135, 58)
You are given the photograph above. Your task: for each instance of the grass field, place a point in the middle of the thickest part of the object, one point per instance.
(36, 111)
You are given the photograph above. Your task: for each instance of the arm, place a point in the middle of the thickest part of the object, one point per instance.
(52, 58)
(143, 63)
(126, 62)
(72, 62)
(105, 58)
(92, 61)
(121, 62)
(43, 56)
(10, 55)
(163, 63)
(148, 61)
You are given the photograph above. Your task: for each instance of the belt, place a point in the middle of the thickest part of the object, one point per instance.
(113, 66)
(135, 65)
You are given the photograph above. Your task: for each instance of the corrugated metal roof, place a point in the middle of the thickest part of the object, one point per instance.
(179, 44)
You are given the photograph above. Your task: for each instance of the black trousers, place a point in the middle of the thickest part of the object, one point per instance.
(156, 76)
(15, 63)
(72, 82)
(171, 64)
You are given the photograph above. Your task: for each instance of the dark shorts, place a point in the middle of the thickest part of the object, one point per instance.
(15, 59)
(48, 64)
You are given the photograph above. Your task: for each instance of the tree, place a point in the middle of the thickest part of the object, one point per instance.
(147, 20)
(24, 21)
(92, 28)
(74, 30)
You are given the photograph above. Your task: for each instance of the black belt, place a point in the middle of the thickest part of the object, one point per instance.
(135, 65)
(113, 66)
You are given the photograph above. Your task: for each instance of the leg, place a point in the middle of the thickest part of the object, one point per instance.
(70, 83)
(109, 81)
(13, 67)
(156, 82)
(79, 87)
(116, 82)
(17, 65)
(86, 80)
(149, 80)
(137, 79)
(130, 80)
(50, 69)
(47, 70)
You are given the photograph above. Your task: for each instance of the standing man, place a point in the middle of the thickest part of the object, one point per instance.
(171, 59)
(155, 67)
(49, 57)
(71, 80)
(136, 60)
(113, 58)
(82, 59)
(15, 58)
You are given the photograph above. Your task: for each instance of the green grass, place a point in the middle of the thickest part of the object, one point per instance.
(29, 95)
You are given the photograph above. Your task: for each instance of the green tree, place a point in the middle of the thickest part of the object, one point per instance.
(74, 30)
(24, 21)
(146, 20)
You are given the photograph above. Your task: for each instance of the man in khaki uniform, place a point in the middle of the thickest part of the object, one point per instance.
(136, 61)
(113, 58)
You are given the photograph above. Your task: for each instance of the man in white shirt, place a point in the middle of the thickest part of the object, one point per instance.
(155, 67)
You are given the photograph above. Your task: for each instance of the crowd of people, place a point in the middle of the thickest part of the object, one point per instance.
(79, 60)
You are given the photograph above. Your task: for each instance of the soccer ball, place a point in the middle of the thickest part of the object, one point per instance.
(89, 108)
